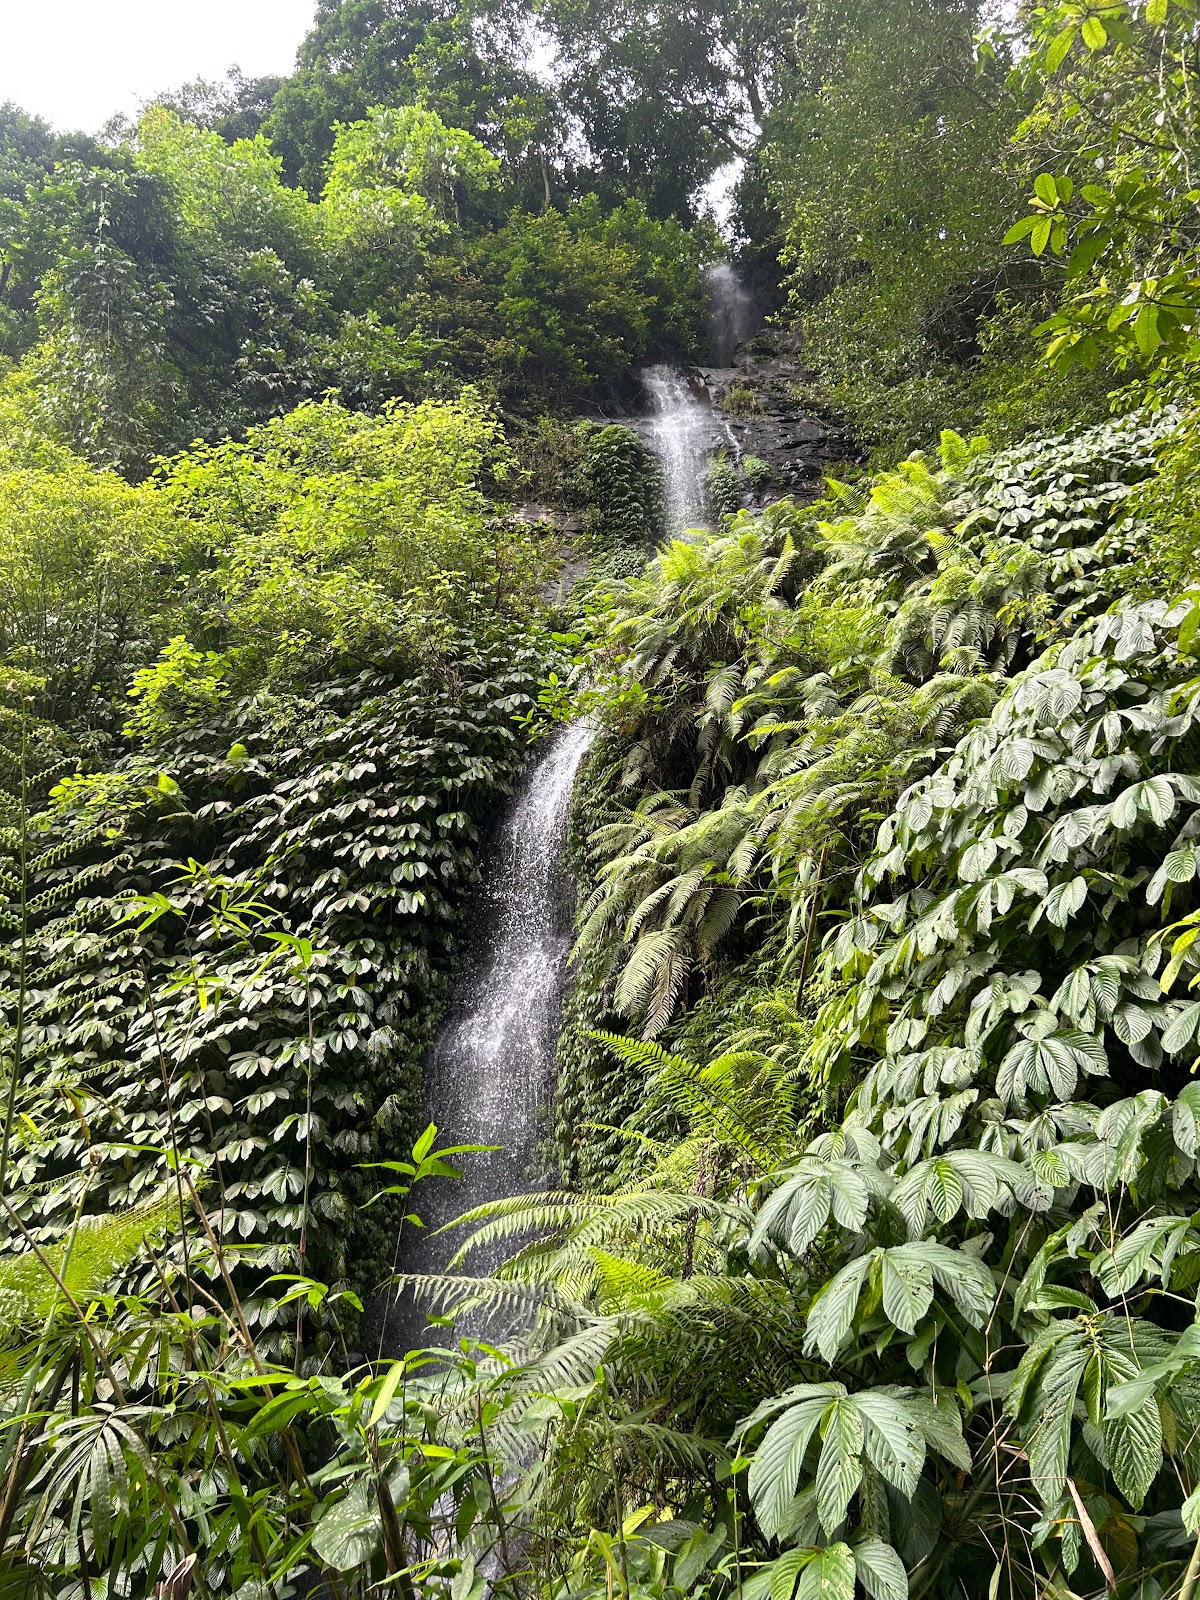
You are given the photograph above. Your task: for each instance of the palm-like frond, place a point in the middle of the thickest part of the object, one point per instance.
(97, 1250)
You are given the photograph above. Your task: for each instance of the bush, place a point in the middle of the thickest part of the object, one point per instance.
(756, 472)
(623, 488)
(740, 400)
(722, 486)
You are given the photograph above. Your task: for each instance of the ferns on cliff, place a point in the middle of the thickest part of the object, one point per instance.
(796, 674)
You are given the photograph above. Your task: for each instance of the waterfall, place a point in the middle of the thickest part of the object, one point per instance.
(490, 1071)
(733, 313)
(678, 432)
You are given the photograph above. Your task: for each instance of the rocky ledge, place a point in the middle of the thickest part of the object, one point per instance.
(764, 417)
(764, 409)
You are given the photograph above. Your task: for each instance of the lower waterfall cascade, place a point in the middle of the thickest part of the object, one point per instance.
(490, 1072)
(489, 1077)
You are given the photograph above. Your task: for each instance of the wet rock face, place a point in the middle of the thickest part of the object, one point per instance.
(760, 410)
(765, 408)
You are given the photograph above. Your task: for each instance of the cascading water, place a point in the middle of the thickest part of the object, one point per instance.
(682, 429)
(489, 1072)
(733, 313)
(491, 1067)
(678, 431)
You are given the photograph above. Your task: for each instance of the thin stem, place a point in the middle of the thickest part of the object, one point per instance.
(175, 1157)
(23, 955)
(1192, 1575)
(308, 1101)
(812, 922)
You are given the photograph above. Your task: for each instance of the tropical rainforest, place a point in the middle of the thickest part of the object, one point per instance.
(869, 1259)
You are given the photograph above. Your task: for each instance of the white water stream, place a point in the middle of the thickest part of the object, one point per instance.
(678, 431)
(489, 1077)
(682, 428)
(733, 313)
(490, 1074)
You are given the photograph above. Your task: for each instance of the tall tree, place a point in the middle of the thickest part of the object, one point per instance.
(361, 54)
(663, 96)
(885, 153)
(236, 108)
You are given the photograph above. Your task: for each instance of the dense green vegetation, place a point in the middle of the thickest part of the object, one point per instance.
(873, 1260)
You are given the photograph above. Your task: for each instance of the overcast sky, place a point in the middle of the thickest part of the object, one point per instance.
(75, 62)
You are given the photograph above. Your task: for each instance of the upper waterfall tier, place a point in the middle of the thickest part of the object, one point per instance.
(760, 408)
(678, 430)
(734, 315)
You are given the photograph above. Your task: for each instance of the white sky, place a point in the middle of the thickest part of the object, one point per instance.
(76, 62)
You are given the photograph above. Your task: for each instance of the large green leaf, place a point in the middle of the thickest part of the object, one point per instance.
(839, 1468)
(779, 1458)
(831, 1315)
(349, 1533)
(828, 1576)
(880, 1570)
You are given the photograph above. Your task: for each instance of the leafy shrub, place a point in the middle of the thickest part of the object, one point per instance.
(1167, 513)
(350, 820)
(722, 486)
(80, 584)
(549, 461)
(183, 686)
(740, 400)
(795, 674)
(756, 472)
(623, 486)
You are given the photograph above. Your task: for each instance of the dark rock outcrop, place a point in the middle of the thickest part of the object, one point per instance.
(763, 410)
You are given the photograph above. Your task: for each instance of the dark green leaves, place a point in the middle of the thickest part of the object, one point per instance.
(904, 1277)
(885, 1430)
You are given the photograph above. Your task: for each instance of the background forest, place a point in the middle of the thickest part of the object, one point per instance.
(872, 1263)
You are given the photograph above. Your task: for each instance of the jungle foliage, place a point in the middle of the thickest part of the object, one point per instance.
(871, 1266)
(955, 186)
(175, 286)
(886, 856)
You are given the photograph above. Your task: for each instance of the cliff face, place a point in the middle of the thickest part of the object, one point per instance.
(759, 414)
(764, 409)
(742, 434)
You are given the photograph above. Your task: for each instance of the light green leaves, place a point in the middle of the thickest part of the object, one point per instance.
(880, 1570)
(810, 1573)
(1052, 191)
(974, 1181)
(1062, 902)
(839, 1466)
(1047, 223)
(779, 1459)
(1040, 233)
(1185, 1119)
(1048, 1060)
(831, 1315)
(1060, 47)
(907, 1285)
(828, 1576)
(1153, 799)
